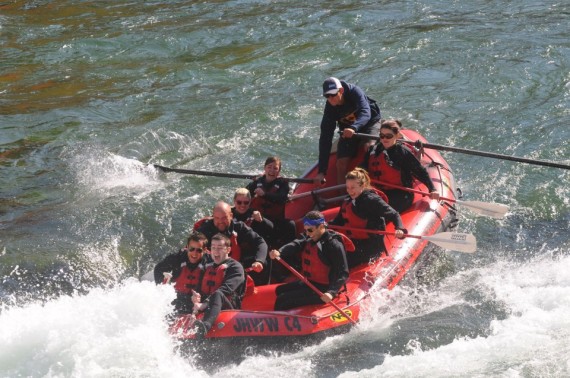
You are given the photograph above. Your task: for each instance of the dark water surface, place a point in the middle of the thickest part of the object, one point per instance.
(93, 91)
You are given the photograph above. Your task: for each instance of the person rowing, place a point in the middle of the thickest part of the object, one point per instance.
(364, 208)
(185, 268)
(247, 246)
(323, 263)
(348, 107)
(269, 194)
(222, 286)
(391, 162)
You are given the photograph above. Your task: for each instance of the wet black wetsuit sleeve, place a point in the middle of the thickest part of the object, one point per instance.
(253, 239)
(170, 263)
(334, 250)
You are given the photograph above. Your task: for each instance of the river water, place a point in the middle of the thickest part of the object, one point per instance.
(93, 91)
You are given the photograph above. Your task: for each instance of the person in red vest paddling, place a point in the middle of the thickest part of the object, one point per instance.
(365, 208)
(392, 162)
(185, 268)
(270, 193)
(222, 286)
(247, 246)
(323, 262)
(243, 212)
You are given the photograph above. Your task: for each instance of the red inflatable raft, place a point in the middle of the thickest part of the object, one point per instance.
(256, 320)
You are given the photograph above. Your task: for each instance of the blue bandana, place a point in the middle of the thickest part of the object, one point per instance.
(313, 222)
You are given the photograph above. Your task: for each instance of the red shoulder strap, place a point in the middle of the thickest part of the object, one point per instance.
(348, 244)
(200, 223)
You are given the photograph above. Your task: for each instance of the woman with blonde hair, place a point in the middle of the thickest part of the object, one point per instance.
(364, 208)
(243, 212)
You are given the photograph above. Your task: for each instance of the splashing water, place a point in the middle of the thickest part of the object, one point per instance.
(116, 332)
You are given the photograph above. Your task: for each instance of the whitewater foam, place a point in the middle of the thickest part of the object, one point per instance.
(117, 332)
(531, 341)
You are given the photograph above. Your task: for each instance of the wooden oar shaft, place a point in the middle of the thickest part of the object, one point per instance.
(228, 175)
(203, 173)
(313, 287)
(480, 153)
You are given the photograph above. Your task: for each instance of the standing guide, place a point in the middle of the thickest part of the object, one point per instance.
(354, 112)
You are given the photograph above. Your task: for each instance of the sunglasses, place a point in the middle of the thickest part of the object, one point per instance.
(386, 136)
(192, 249)
(242, 202)
(330, 95)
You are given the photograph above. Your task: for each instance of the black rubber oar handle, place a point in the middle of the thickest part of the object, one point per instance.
(228, 175)
(420, 144)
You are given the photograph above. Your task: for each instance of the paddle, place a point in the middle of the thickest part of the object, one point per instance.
(167, 278)
(494, 210)
(316, 191)
(228, 175)
(420, 144)
(328, 201)
(454, 241)
(317, 291)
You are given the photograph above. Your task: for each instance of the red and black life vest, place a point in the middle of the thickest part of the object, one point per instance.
(213, 278)
(379, 168)
(246, 217)
(353, 220)
(235, 252)
(314, 268)
(411, 146)
(200, 222)
(248, 222)
(189, 279)
(271, 210)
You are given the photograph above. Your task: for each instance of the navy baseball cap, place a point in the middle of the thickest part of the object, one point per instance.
(331, 86)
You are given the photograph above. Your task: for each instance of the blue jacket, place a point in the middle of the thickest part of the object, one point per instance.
(357, 112)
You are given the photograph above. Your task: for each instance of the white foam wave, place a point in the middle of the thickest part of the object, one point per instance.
(531, 341)
(119, 332)
(104, 173)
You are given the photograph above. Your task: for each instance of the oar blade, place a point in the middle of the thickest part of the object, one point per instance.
(454, 241)
(493, 210)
